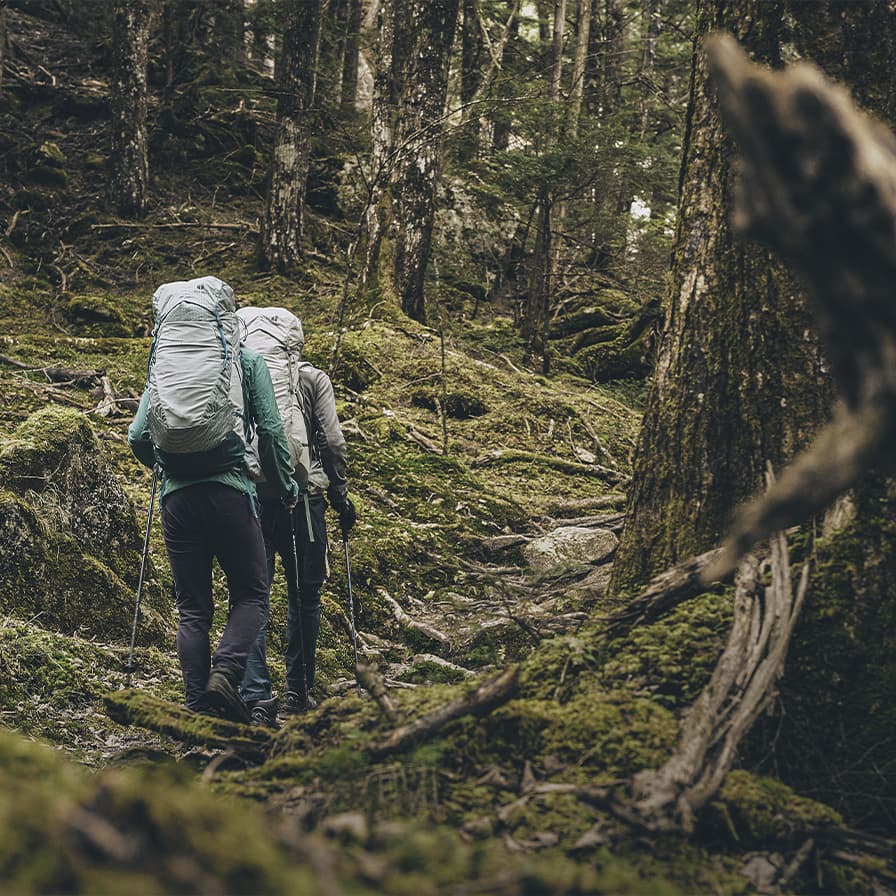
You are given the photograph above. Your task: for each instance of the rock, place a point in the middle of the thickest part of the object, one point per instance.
(570, 544)
(70, 540)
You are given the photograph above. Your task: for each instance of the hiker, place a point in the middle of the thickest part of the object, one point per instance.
(307, 404)
(204, 396)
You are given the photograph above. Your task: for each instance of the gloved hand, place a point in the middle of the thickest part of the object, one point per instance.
(347, 515)
(290, 500)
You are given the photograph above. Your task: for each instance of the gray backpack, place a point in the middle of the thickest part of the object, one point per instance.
(196, 418)
(276, 334)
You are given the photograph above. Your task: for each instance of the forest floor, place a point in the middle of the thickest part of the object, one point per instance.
(489, 500)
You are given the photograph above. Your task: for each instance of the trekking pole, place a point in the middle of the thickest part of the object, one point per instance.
(351, 608)
(295, 563)
(152, 501)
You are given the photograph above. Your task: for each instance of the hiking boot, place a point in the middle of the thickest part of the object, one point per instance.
(221, 695)
(292, 704)
(264, 712)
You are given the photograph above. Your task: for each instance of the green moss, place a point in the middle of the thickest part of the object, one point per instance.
(763, 812)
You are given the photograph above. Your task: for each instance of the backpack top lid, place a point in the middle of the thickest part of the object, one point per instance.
(270, 329)
(208, 291)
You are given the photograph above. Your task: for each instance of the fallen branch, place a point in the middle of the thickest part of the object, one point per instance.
(665, 592)
(375, 685)
(177, 225)
(487, 697)
(57, 374)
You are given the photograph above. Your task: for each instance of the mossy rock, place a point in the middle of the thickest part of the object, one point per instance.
(762, 812)
(94, 316)
(72, 545)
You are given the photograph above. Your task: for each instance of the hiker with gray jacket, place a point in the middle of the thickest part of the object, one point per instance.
(299, 536)
(205, 397)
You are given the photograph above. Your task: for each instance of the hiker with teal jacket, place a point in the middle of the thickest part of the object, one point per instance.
(205, 398)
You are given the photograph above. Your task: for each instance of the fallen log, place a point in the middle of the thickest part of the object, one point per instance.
(135, 707)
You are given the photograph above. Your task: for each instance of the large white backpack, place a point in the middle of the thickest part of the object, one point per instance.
(196, 417)
(276, 334)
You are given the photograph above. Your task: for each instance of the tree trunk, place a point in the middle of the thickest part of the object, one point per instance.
(419, 146)
(230, 31)
(536, 318)
(280, 244)
(583, 34)
(739, 379)
(3, 5)
(502, 117)
(348, 94)
(470, 77)
(130, 165)
(382, 115)
(651, 13)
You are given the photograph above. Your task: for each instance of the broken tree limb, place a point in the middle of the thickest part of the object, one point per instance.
(375, 685)
(665, 592)
(488, 696)
(818, 186)
(57, 374)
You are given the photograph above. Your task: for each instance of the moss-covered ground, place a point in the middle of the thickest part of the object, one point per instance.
(454, 437)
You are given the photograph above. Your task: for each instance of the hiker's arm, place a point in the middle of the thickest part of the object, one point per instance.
(138, 436)
(273, 452)
(330, 440)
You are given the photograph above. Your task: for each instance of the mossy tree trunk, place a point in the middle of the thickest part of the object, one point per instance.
(280, 241)
(3, 5)
(739, 379)
(419, 144)
(348, 93)
(130, 162)
(382, 127)
(471, 55)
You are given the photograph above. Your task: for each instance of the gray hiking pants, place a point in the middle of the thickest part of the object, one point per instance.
(202, 522)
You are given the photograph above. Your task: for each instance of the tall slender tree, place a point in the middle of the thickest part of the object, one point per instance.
(739, 378)
(419, 146)
(130, 162)
(348, 94)
(280, 241)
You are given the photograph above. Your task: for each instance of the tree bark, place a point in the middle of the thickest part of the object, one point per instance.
(382, 126)
(130, 163)
(419, 146)
(280, 244)
(739, 379)
(3, 6)
(348, 94)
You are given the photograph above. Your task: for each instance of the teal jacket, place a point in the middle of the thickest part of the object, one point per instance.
(272, 448)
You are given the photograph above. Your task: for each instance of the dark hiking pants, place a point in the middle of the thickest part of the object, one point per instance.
(303, 614)
(202, 522)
